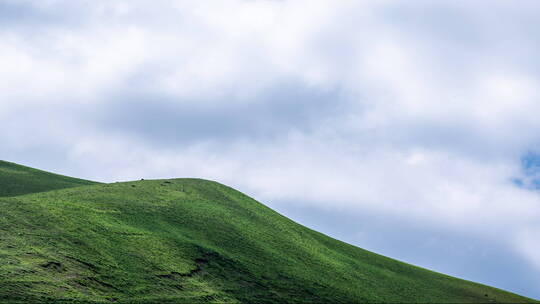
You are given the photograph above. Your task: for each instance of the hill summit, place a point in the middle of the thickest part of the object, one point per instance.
(187, 241)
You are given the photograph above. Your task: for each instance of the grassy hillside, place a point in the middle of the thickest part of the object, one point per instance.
(17, 180)
(190, 240)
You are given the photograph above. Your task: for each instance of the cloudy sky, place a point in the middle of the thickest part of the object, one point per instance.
(409, 128)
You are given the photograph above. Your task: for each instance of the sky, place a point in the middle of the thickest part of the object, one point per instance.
(409, 128)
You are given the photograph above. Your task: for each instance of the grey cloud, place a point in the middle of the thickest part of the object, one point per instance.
(28, 18)
(465, 33)
(169, 122)
(444, 22)
(22, 13)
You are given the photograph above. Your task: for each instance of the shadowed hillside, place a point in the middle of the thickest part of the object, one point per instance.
(186, 241)
(17, 180)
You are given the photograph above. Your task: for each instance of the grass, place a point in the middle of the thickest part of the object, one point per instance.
(16, 180)
(189, 241)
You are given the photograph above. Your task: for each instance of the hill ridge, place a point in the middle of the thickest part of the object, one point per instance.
(194, 240)
(17, 180)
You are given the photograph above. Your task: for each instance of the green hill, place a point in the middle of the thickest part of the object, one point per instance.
(188, 241)
(17, 180)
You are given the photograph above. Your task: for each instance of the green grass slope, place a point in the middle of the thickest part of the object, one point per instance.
(17, 180)
(189, 241)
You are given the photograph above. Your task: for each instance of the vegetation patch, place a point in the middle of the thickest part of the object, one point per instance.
(190, 241)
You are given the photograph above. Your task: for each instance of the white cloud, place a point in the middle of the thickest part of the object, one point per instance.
(527, 242)
(434, 102)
